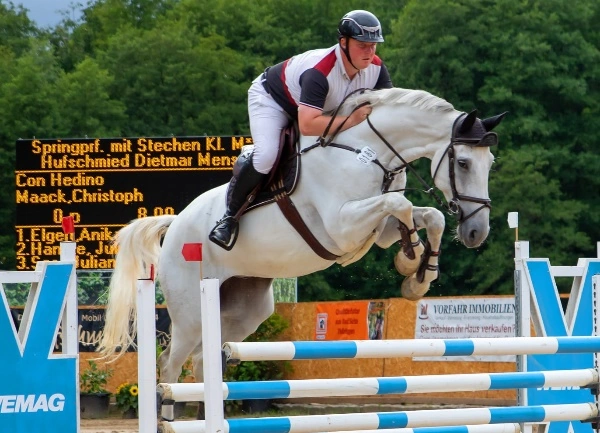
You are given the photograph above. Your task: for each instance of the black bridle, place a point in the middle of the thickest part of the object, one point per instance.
(459, 137)
(486, 140)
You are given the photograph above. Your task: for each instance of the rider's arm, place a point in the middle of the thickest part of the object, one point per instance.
(384, 81)
(311, 120)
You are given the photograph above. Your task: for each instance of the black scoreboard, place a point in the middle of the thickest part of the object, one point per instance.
(104, 183)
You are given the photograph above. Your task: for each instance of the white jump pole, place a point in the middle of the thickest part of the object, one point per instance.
(522, 307)
(70, 337)
(596, 331)
(211, 342)
(146, 348)
(212, 365)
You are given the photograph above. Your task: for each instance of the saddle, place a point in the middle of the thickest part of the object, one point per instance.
(285, 174)
(282, 182)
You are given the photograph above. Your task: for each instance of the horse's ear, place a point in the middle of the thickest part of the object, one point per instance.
(468, 122)
(491, 122)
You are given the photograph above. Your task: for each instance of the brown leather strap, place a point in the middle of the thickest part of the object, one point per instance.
(407, 244)
(295, 219)
(425, 266)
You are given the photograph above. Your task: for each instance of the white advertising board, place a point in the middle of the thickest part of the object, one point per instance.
(466, 318)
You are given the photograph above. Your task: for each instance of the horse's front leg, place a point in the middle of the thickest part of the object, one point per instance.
(359, 219)
(416, 285)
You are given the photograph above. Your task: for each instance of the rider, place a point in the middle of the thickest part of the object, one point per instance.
(303, 88)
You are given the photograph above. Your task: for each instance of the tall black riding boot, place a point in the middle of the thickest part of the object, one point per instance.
(245, 180)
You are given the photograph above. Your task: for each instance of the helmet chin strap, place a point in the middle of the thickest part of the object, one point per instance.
(346, 51)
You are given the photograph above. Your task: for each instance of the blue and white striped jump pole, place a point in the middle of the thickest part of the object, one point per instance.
(389, 420)
(302, 350)
(484, 428)
(489, 428)
(381, 385)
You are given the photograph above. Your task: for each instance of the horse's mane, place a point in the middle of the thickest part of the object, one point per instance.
(413, 98)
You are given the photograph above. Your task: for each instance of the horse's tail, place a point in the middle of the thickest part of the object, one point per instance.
(138, 247)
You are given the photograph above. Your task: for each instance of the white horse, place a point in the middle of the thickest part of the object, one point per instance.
(340, 198)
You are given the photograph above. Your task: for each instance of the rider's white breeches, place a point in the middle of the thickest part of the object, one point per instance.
(267, 120)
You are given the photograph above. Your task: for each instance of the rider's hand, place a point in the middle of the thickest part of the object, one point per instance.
(360, 114)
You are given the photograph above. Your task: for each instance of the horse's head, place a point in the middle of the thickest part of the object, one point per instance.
(460, 170)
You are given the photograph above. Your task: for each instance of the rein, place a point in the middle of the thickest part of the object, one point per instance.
(323, 141)
(428, 189)
(326, 140)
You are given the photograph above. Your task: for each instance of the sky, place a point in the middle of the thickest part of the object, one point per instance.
(45, 13)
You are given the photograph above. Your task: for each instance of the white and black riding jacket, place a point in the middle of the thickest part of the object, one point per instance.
(317, 78)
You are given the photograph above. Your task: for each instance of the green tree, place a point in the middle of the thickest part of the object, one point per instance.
(28, 108)
(15, 28)
(539, 61)
(85, 107)
(92, 287)
(16, 34)
(545, 218)
(16, 293)
(174, 83)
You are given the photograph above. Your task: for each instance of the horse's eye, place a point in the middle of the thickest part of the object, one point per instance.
(462, 163)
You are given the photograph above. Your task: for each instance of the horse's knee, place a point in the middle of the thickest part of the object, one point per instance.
(396, 203)
(436, 220)
(431, 219)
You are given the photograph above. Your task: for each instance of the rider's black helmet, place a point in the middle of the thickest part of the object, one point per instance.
(360, 25)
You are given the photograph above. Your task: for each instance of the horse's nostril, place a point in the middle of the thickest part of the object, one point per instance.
(473, 234)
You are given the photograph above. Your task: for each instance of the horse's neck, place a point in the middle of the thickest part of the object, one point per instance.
(412, 133)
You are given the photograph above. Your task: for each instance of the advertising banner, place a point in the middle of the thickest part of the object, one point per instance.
(350, 320)
(466, 318)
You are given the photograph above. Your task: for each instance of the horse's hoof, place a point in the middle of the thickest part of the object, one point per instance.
(412, 290)
(408, 267)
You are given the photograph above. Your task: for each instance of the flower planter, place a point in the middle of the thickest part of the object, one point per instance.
(130, 413)
(126, 398)
(94, 406)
